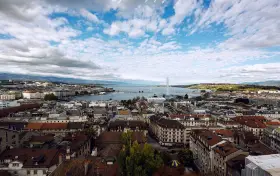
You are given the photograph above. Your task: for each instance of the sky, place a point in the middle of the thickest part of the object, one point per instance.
(188, 41)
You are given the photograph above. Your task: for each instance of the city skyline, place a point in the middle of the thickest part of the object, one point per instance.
(188, 41)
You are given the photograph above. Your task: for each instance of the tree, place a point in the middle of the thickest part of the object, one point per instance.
(137, 160)
(166, 158)
(186, 96)
(242, 100)
(185, 157)
(50, 97)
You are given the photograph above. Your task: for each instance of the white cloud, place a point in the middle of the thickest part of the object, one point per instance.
(86, 14)
(167, 31)
(182, 9)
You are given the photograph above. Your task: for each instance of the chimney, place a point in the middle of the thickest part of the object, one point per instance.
(86, 166)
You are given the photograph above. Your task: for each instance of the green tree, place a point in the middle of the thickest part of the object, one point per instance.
(185, 157)
(166, 158)
(136, 160)
(50, 97)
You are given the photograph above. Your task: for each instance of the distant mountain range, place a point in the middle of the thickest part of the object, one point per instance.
(265, 83)
(7, 76)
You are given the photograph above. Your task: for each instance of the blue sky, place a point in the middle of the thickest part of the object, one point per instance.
(189, 41)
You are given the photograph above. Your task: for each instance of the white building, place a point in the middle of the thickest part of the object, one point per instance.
(29, 162)
(97, 104)
(156, 99)
(33, 95)
(7, 104)
(263, 165)
(7, 97)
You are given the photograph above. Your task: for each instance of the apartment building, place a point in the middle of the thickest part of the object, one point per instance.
(12, 138)
(271, 137)
(202, 143)
(254, 124)
(168, 132)
(29, 162)
(221, 154)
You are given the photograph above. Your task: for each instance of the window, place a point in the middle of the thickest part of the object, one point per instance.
(15, 165)
(28, 172)
(35, 172)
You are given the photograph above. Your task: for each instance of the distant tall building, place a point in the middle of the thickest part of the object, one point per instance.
(167, 86)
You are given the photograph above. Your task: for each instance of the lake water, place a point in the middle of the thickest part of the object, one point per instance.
(130, 92)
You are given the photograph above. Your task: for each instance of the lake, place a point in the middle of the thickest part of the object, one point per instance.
(130, 92)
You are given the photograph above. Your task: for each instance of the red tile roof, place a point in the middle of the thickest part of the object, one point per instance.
(224, 132)
(54, 126)
(208, 136)
(250, 121)
(225, 149)
(34, 126)
(32, 158)
(271, 123)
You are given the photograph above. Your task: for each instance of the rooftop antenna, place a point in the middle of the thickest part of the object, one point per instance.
(167, 86)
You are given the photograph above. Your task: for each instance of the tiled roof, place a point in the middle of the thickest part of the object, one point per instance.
(109, 137)
(273, 123)
(124, 112)
(166, 123)
(224, 132)
(208, 136)
(46, 126)
(53, 126)
(32, 158)
(250, 121)
(34, 126)
(225, 149)
(95, 166)
(42, 139)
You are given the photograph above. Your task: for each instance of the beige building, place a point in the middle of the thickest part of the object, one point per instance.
(7, 97)
(202, 143)
(168, 132)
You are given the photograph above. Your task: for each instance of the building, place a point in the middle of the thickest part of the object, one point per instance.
(254, 124)
(76, 145)
(167, 132)
(264, 165)
(33, 95)
(156, 99)
(12, 138)
(7, 97)
(271, 137)
(202, 143)
(128, 125)
(236, 165)
(29, 162)
(221, 154)
(8, 104)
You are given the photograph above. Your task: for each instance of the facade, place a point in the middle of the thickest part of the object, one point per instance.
(236, 165)
(221, 154)
(29, 162)
(264, 165)
(8, 104)
(254, 124)
(7, 97)
(33, 95)
(129, 125)
(167, 132)
(271, 137)
(202, 143)
(11, 138)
